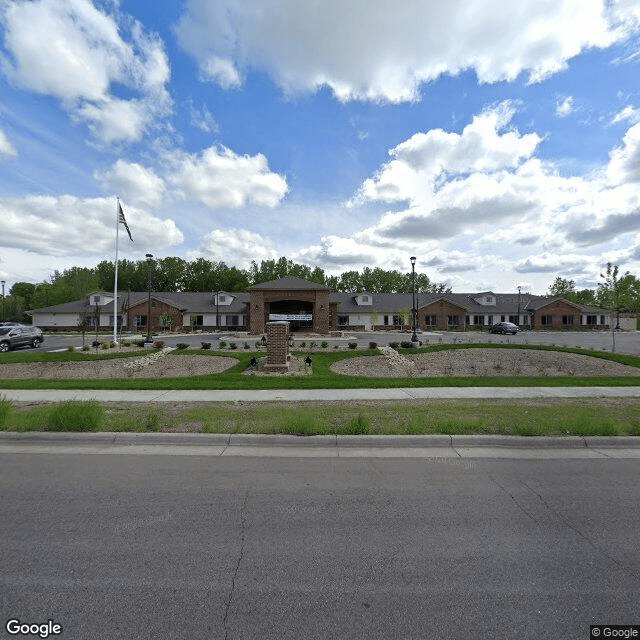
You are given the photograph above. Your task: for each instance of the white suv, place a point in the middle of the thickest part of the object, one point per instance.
(20, 336)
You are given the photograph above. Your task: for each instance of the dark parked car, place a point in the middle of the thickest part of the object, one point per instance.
(20, 336)
(504, 327)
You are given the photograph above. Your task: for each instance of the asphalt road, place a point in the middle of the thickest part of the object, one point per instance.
(201, 547)
(625, 342)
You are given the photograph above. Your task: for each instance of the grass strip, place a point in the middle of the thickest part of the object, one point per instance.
(582, 417)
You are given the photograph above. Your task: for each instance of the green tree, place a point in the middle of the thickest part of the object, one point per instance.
(563, 288)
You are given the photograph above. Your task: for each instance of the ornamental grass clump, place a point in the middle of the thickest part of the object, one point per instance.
(75, 416)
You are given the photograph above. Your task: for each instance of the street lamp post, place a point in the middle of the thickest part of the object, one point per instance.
(149, 258)
(3, 300)
(217, 311)
(518, 323)
(414, 311)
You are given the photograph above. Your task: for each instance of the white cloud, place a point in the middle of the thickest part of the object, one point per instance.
(6, 148)
(624, 164)
(237, 247)
(135, 184)
(629, 114)
(565, 108)
(388, 49)
(67, 225)
(461, 200)
(218, 177)
(72, 51)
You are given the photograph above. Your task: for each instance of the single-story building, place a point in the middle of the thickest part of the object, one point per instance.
(313, 307)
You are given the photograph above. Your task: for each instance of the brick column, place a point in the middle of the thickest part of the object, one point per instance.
(277, 346)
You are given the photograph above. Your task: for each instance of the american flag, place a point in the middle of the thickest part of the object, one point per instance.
(123, 220)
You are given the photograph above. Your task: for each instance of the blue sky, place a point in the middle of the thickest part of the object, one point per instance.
(500, 144)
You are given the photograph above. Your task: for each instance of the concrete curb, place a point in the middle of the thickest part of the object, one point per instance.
(265, 440)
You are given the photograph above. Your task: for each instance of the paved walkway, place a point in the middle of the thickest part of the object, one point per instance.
(297, 395)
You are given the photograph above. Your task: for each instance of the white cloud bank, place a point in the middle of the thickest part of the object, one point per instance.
(460, 200)
(388, 49)
(76, 53)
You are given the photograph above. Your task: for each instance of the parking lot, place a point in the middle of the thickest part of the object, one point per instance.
(620, 342)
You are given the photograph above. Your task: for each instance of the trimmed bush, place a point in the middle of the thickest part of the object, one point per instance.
(233, 345)
(182, 345)
(104, 346)
(246, 345)
(324, 344)
(71, 348)
(406, 344)
(158, 344)
(353, 345)
(394, 344)
(86, 347)
(206, 345)
(222, 344)
(373, 345)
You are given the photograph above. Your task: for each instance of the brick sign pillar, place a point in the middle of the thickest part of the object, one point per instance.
(277, 346)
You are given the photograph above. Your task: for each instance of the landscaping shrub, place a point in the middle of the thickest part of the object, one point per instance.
(353, 345)
(233, 345)
(158, 344)
(303, 344)
(86, 347)
(394, 344)
(222, 344)
(406, 344)
(258, 344)
(324, 344)
(312, 345)
(139, 343)
(182, 345)
(104, 346)
(75, 416)
(71, 348)
(125, 343)
(373, 345)
(206, 345)
(247, 345)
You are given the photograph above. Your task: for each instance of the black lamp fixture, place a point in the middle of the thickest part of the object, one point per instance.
(149, 258)
(414, 311)
(264, 341)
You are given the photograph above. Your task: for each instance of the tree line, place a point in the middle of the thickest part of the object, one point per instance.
(199, 275)
(615, 291)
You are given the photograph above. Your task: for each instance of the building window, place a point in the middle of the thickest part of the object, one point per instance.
(453, 321)
(365, 299)
(120, 319)
(398, 320)
(478, 320)
(139, 321)
(567, 321)
(232, 321)
(96, 299)
(343, 321)
(430, 321)
(222, 299)
(546, 321)
(592, 320)
(602, 320)
(514, 319)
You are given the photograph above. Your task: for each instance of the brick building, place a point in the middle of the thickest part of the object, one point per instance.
(308, 306)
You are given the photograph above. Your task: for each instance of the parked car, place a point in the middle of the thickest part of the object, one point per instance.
(15, 336)
(504, 327)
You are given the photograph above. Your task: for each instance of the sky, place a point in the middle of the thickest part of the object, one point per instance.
(497, 142)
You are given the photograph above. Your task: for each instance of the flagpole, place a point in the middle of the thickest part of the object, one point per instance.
(115, 278)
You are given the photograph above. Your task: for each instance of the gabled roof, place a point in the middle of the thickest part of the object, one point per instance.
(288, 283)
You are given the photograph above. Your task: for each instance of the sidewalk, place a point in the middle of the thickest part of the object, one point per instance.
(326, 395)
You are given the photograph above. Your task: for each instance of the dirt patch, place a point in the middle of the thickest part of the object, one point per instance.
(481, 362)
(168, 365)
